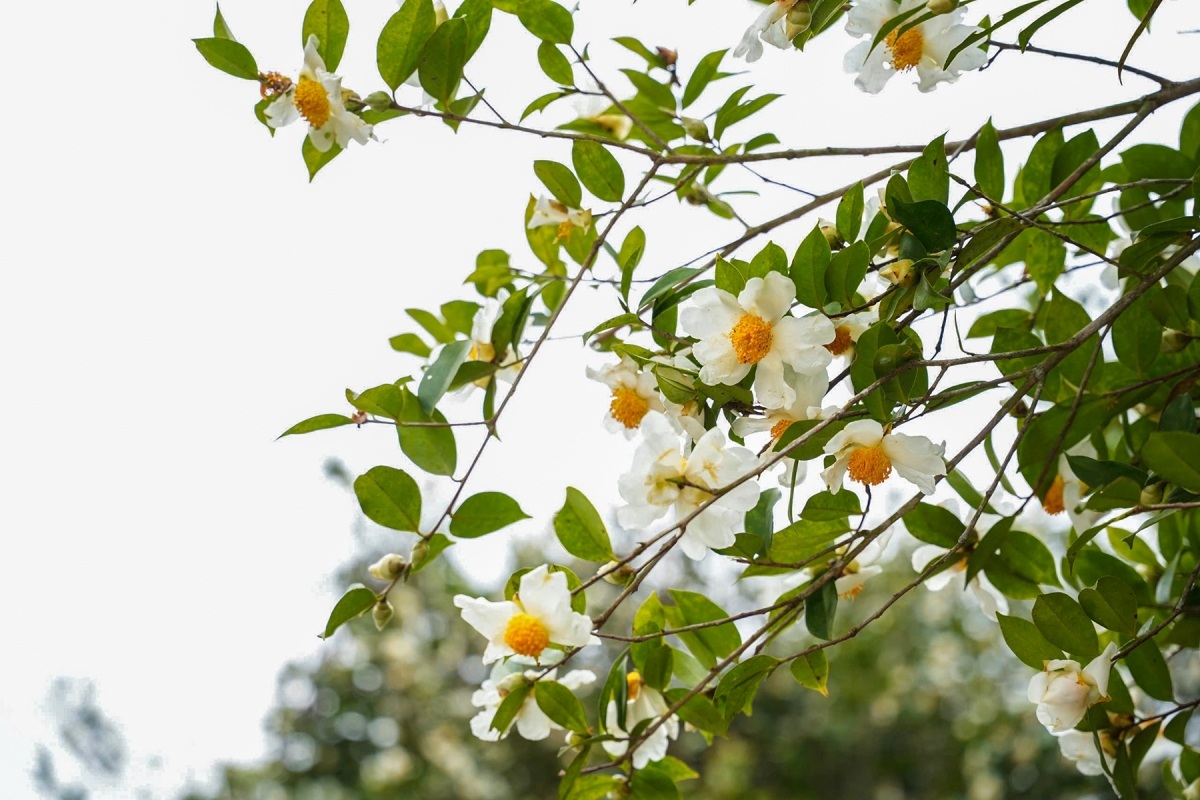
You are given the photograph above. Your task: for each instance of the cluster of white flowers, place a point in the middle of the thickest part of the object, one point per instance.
(923, 45)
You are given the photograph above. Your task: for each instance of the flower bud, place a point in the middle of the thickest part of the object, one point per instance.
(668, 56)
(379, 101)
(830, 232)
(617, 575)
(1152, 494)
(800, 17)
(439, 13)
(387, 568)
(696, 128)
(419, 552)
(899, 272)
(360, 417)
(942, 6)
(1174, 341)
(381, 614)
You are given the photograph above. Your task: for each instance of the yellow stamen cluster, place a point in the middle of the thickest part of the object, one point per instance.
(635, 682)
(841, 341)
(526, 635)
(779, 428)
(907, 50)
(1053, 503)
(869, 466)
(751, 338)
(628, 407)
(312, 102)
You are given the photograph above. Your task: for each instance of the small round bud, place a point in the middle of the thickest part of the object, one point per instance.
(617, 574)
(696, 128)
(379, 101)
(387, 568)
(1174, 341)
(830, 232)
(800, 17)
(381, 614)
(1152, 494)
(574, 738)
(942, 6)
(439, 13)
(419, 552)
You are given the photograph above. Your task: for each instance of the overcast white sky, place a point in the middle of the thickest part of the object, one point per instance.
(176, 294)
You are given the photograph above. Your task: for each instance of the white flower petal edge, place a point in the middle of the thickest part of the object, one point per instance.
(991, 601)
(1063, 692)
(338, 126)
(634, 393)
(531, 722)
(1080, 748)
(647, 704)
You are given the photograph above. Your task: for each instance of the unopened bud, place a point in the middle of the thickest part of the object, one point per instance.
(379, 101)
(800, 17)
(899, 272)
(1020, 409)
(830, 232)
(439, 13)
(574, 738)
(1174, 341)
(942, 6)
(387, 568)
(617, 574)
(419, 552)
(381, 614)
(696, 128)
(1152, 494)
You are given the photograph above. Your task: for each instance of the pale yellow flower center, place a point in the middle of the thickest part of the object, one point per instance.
(481, 351)
(779, 428)
(869, 466)
(635, 682)
(628, 407)
(526, 635)
(1053, 504)
(907, 50)
(841, 341)
(312, 102)
(751, 338)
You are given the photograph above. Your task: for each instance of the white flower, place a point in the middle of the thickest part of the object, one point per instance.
(989, 597)
(686, 417)
(643, 703)
(387, 568)
(538, 616)
(810, 391)
(317, 97)
(482, 349)
(771, 26)
(1067, 491)
(923, 47)
(531, 722)
(1064, 692)
(592, 106)
(666, 476)
(634, 393)
(847, 329)
(1080, 747)
(548, 211)
(863, 567)
(869, 453)
(737, 333)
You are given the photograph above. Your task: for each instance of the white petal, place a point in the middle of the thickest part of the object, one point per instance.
(487, 617)
(770, 389)
(711, 311)
(282, 111)
(768, 298)
(1099, 668)
(915, 458)
(834, 475)
(532, 723)
(721, 364)
(481, 725)
(860, 433)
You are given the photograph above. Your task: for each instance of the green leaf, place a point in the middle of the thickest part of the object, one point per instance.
(803, 539)
(826, 507)
(1144, 161)
(1137, 336)
(593, 787)
(820, 609)
(478, 16)
(410, 343)
(1175, 456)
(597, 168)
(221, 28)
(930, 221)
(561, 705)
(760, 520)
(629, 257)
(317, 423)
(698, 711)
(390, 497)
(850, 213)
(928, 178)
(400, 42)
(560, 181)
(327, 20)
(581, 530)
(555, 64)
(1064, 624)
(729, 277)
(647, 784)
(229, 56)
(1036, 175)
(988, 324)
(1021, 564)
(737, 689)
(934, 524)
(546, 20)
(1027, 642)
(510, 706)
(1149, 669)
(707, 644)
(1113, 604)
(357, 601)
(1179, 415)
(1045, 258)
(809, 266)
(812, 671)
(439, 375)
(989, 162)
(484, 513)
(540, 104)
(440, 65)
(615, 691)
(847, 268)
(433, 449)
(658, 667)
(314, 159)
(702, 75)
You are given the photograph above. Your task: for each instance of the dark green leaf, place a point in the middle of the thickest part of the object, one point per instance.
(934, 524)
(826, 507)
(820, 609)
(928, 220)
(561, 705)
(596, 167)
(702, 75)
(439, 375)
(706, 644)
(1027, 642)
(989, 162)
(560, 181)
(1113, 604)
(1175, 456)
(809, 266)
(327, 20)
(357, 600)
(850, 213)
(228, 56)
(546, 20)
(390, 497)
(441, 63)
(1149, 669)
(402, 39)
(581, 530)
(555, 64)
(812, 671)
(510, 706)
(1064, 624)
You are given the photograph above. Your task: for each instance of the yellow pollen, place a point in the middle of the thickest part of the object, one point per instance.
(635, 682)
(564, 230)
(779, 428)
(1054, 497)
(312, 102)
(841, 341)
(751, 338)
(851, 594)
(628, 407)
(869, 466)
(907, 50)
(526, 635)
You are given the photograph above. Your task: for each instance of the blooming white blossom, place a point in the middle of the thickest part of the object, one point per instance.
(923, 47)
(989, 597)
(1064, 692)
(868, 453)
(1067, 491)
(538, 616)
(482, 349)
(810, 390)
(775, 26)
(531, 722)
(1080, 747)
(548, 211)
(634, 394)
(847, 329)
(864, 567)
(318, 97)
(644, 702)
(737, 333)
(665, 476)
(592, 106)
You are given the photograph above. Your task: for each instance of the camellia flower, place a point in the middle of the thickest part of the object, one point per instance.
(863, 567)
(777, 25)
(666, 476)
(530, 721)
(548, 211)
(1064, 692)
(482, 349)
(1080, 747)
(847, 329)
(923, 47)
(592, 106)
(634, 394)
(319, 98)
(1067, 491)
(868, 452)
(643, 703)
(810, 390)
(737, 333)
(991, 601)
(538, 616)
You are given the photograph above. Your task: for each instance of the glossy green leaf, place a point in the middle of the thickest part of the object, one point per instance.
(510, 706)
(1027, 642)
(826, 507)
(1112, 604)
(850, 213)
(809, 266)
(737, 688)
(439, 375)
(317, 423)
(229, 56)
(1175, 456)
(598, 169)
(1064, 624)
(546, 20)
(440, 65)
(398, 50)
(554, 64)
(989, 162)
(812, 671)
(483, 513)
(357, 601)
(707, 644)
(432, 448)
(389, 497)
(1149, 669)
(580, 529)
(327, 20)
(930, 221)
(560, 181)
(820, 610)
(314, 159)
(704, 73)
(561, 705)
